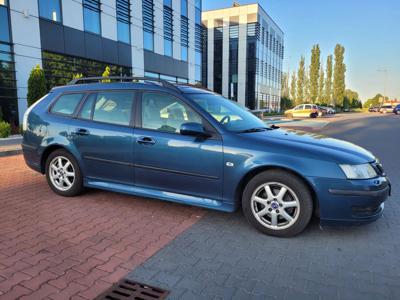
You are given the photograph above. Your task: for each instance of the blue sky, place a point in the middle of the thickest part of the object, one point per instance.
(368, 29)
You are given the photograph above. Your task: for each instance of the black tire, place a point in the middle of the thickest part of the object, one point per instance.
(296, 185)
(77, 184)
(313, 115)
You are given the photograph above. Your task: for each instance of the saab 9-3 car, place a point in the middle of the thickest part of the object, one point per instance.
(185, 144)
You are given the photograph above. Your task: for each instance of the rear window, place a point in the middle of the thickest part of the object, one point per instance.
(67, 104)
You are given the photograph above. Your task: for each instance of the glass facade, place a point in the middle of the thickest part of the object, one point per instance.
(218, 44)
(148, 24)
(50, 9)
(253, 35)
(233, 60)
(8, 89)
(91, 16)
(59, 69)
(124, 21)
(168, 28)
(166, 77)
(198, 42)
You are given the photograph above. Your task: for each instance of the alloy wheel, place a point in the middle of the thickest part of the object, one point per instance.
(275, 205)
(62, 173)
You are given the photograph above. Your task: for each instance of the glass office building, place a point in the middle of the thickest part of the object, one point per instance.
(244, 50)
(84, 37)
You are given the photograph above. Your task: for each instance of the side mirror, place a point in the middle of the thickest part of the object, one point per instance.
(192, 128)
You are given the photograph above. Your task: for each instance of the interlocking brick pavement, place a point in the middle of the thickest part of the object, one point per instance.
(222, 257)
(59, 248)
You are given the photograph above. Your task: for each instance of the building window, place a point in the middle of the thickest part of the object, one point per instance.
(59, 69)
(124, 21)
(218, 44)
(184, 37)
(4, 21)
(184, 8)
(148, 24)
(91, 16)
(8, 88)
(168, 27)
(50, 9)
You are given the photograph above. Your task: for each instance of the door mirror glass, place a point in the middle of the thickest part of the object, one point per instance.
(192, 128)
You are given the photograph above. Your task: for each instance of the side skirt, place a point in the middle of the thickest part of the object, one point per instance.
(157, 194)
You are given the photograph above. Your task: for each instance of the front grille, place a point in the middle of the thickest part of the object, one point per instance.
(129, 290)
(366, 211)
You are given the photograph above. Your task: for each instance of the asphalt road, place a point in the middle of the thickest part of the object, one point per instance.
(222, 257)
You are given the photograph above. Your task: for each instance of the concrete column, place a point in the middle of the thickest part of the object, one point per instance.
(176, 6)
(191, 55)
(225, 57)
(109, 19)
(158, 27)
(137, 38)
(25, 31)
(72, 12)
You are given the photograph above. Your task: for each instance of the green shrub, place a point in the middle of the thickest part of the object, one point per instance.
(36, 85)
(5, 129)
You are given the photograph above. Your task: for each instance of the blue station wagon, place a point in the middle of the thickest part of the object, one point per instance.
(180, 143)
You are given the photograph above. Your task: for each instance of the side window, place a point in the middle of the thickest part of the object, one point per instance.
(299, 107)
(308, 106)
(109, 107)
(67, 104)
(166, 113)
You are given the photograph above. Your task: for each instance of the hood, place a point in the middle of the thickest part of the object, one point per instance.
(315, 145)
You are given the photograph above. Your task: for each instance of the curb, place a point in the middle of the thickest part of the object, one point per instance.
(10, 152)
(13, 140)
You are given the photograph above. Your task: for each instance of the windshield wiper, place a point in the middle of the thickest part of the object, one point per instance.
(256, 129)
(259, 129)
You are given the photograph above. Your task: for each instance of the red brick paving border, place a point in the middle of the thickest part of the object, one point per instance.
(58, 248)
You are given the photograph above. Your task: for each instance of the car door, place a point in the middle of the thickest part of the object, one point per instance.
(103, 135)
(307, 110)
(297, 111)
(168, 161)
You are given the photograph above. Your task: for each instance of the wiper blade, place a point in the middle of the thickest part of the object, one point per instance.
(256, 129)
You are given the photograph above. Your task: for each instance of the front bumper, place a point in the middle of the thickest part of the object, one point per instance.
(351, 202)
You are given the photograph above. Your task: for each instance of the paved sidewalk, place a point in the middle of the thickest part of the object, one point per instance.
(10, 146)
(74, 248)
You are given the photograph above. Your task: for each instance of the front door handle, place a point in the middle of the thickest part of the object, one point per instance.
(145, 140)
(82, 131)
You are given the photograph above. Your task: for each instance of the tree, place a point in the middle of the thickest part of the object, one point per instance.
(375, 101)
(285, 85)
(339, 84)
(307, 94)
(328, 81)
(314, 72)
(77, 76)
(351, 99)
(293, 87)
(106, 73)
(36, 85)
(321, 84)
(301, 76)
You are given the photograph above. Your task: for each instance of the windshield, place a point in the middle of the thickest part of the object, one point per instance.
(230, 115)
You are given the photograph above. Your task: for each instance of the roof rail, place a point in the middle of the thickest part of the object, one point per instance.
(164, 83)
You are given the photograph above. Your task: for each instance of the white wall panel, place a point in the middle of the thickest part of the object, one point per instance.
(26, 37)
(158, 27)
(176, 6)
(225, 57)
(137, 38)
(242, 61)
(191, 58)
(72, 12)
(109, 19)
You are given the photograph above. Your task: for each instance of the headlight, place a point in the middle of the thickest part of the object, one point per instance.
(364, 171)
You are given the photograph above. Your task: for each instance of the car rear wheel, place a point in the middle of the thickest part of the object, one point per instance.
(313, 115)
(63, 174)
(277, 203)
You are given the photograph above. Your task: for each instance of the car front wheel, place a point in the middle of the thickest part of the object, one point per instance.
(277, 203)
(63, 174)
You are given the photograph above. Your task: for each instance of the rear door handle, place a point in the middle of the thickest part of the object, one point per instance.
(82, 131)
(145, 140)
